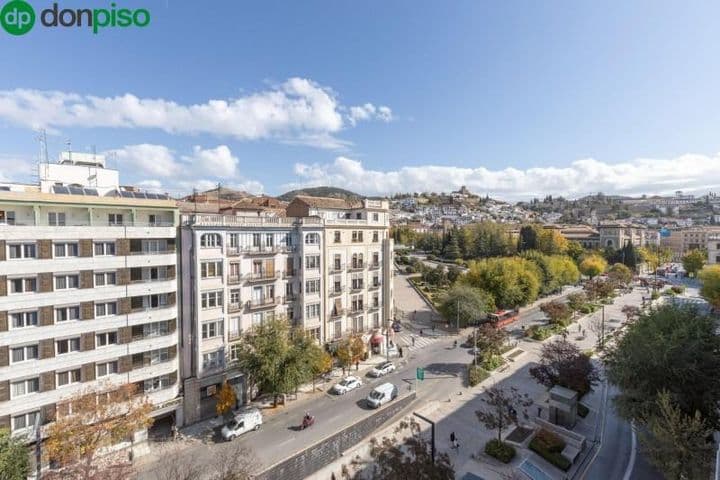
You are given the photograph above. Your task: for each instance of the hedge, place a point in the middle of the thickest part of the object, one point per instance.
(548, 445)
(476, 374)
(500, 450)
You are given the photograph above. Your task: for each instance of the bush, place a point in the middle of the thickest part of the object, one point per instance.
(500, 450)
(582, 410)
(476, 374)
(678, 288)
(409, 270)
(432, 257)
(548, 445)
(542, 332)
(492, 362)
(655, 295)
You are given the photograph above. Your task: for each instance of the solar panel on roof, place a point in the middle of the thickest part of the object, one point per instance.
(90, 191)
(153, 196)
(139, 194)
(76, 190)
(126, 194)
(60, 189)
(162, 196)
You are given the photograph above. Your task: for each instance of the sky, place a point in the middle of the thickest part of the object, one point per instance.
(514, 99)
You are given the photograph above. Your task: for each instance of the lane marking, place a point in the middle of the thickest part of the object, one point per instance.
(633, 449)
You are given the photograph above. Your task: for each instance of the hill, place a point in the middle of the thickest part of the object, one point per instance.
(331, 192)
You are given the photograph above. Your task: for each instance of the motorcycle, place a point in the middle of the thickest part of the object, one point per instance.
(308, 421)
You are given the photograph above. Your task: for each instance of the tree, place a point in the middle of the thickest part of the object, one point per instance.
(595, 289)
(574, 250)
(320, 364)
(452, 251)
(453, 273)
(551, 242)
(409, 456)
(489, 340)
(350, 351)
(576, 301)
(654, 256)
(511, 281)
(673, 349)
(226, 399)
(528, 238)
(469, 305)
(90, 421)
(710, 290)
(557, 270)
(490, 239)
(562, 363)
(557, 312)
(620, 274)
(677, 443)
(14, 459)
(630, 311)
(502, 408)
(693, 261)
(593, 265)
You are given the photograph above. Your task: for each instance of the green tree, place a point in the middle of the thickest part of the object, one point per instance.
(490, 239)
(620, 274)
(551, 242)
(673, 349)
(677, 443)
(562, 363)
(452, 251)
(489, 340)
(468, 304)
(654, 256)
(14, 457)
(576, 301)
(557, 312)
(575, 251)
(693, 261)
(528, 238)
(593, 265)
(512, 281)
(710, 290)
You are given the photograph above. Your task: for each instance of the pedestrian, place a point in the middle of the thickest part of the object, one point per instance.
(421, 332)
(456, 444)
(174, 431)
(579, 328)
(433, 327)
(357, 364)
(452, 438)
(400, 352)
(413, 340)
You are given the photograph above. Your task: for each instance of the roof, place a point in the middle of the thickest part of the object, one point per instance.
(62, 199)
(327, 202)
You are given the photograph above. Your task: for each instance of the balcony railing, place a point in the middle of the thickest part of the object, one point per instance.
(152, 252)
(234, 335)
(374, 266)
(337, 313)
(263, 302)
(336, 268)
(374, 286)
(232, 251)
(268, 250)
(289, 273)
(234, 307)
(150, 280)
(291, 297)
(357, 267)
(333, 292)
(358, 310)
(357, 288)
(233, 279)
(261, 276)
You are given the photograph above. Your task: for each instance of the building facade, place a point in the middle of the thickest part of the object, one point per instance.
(681, 241)
(713, 248)
(88, 292)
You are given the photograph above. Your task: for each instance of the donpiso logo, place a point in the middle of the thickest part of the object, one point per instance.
(18, 17)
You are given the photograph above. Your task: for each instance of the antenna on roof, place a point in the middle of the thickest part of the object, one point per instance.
(68, 142)
(42, 139)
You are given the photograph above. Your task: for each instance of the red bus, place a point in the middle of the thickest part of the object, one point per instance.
(503, 317)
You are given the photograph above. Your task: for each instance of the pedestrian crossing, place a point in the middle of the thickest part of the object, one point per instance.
(404, 339)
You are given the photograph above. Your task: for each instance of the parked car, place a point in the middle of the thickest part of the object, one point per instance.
(346, 384)
(382, 394)
(241, 423)
(382, 369)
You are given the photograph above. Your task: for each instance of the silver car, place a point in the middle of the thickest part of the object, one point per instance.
(346, 384)
(382, 369)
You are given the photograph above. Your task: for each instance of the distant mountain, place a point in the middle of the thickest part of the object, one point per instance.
(227, 194)
(330, 192)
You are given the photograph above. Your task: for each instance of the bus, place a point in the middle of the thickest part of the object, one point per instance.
(502, 318)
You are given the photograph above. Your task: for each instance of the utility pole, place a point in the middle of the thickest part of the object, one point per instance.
(432, 434)
(475, 346)
(602, 329)
(457, 315)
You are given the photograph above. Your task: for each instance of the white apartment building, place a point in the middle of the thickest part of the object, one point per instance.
(239, 271)
(87, 292)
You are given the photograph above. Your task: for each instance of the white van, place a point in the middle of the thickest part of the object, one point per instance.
(382, 394)
(242, 422)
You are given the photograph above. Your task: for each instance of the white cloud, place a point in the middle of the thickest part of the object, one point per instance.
(146, 159)
(292, 111)
(369, 111)
(16, 168)
(690, 172)
(219, 160)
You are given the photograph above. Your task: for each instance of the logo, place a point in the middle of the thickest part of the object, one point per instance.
(17, 17)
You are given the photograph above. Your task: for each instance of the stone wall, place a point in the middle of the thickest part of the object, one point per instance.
(326, 451)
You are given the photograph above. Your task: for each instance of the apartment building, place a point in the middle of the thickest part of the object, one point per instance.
(238, 272)
(713, 248)
(358, 266)
(681, 241)
(87, 292)
(326, 269)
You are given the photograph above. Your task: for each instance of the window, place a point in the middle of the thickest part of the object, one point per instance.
(358, 324)
(211, 299)
(67, 345)
(153, 220)
(234, 329)
(26, 420)
(66, 250)
(105, 369)
(7, 218)
(312, 262)
(337, 262)
(211, 269)
(235, 350)
(23, 354)
(312, 239)
(23, 285)
(24, 319)
(376, 281)
(56, 218)
(115, 219)
(314, 333)
(376, 320)
(337, 329)
(376, 259)
(22, 250)
(357, 283)
(357, 303)
(269, 240)
(357, 236)
(337, 237)
(156, 329)
(159, 356)
(65, 282)
(63, 314)
(103, 249)
(213, 359)
(105, 309)
(25, 387)
(104, 279)
(257, 318)
(105, 338)
(376, 236)
(210, 240)
(157, 383)
(312, 286)
(69, 377)
(234, 270)
(235, 297)
(255, 239)
(212, 329)
(312, 310)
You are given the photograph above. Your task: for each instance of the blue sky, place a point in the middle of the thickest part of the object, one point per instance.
(512, 98)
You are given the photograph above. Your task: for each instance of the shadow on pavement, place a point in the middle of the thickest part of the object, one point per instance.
(445, 369)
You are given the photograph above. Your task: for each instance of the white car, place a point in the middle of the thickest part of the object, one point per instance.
(382, 369)
(346, 384)
(242, 422)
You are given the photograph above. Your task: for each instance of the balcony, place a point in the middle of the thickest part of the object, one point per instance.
(357, 288)
(337, 313)
(233, 252)
(336, 268)
(358, 310)
(334, 292)
(263, 303)
(150, 280)
(357, 267)
(268, 250)
(257, 277)
(289, 274)
(234, 335)
(374, 266)
(233, 279)
(373, 308)
(291, 297)
(152, 252)
(234, 307)
(374, 286)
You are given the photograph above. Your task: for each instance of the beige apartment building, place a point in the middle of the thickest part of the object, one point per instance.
(87, 292)
(682, 241)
